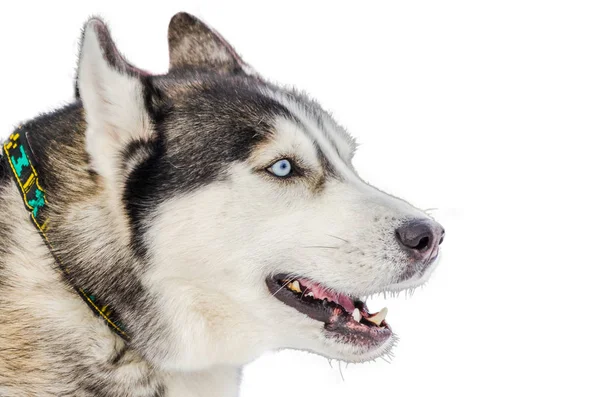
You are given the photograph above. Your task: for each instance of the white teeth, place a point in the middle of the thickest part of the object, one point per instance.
(310, 294)
(295, 286)
(378, 318)
(356, 315)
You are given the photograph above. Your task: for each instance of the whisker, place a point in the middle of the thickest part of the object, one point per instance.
(339, 238)
(305, 291)
(282, 287)
(321, 246)
(427, 210)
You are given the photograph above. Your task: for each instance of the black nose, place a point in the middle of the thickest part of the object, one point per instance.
(421, 237)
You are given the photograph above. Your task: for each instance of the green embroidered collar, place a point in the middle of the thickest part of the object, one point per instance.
(19, 156)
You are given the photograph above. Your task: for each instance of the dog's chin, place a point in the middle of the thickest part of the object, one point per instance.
(348, 331)
(334, 348)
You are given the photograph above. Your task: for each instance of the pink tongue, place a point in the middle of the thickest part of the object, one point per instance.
(321, 293)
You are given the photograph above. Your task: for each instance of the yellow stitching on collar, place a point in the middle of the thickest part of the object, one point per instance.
(33, 178)
(108, 320)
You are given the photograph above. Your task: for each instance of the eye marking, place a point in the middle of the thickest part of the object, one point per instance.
(281, 168)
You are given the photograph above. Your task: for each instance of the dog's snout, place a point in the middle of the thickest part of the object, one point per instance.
(420, 237)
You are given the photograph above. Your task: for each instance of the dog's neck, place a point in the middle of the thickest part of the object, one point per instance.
(89, 228)
(79, 210)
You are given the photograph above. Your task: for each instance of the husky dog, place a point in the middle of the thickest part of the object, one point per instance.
(191, 221)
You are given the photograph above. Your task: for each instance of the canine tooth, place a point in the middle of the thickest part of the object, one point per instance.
(356, 315)
(295, 286)
(378, 318)
(310, 294)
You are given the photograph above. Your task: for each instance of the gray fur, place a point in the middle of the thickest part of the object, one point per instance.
(208, 113)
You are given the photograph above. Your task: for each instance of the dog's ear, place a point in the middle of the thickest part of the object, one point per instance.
(114, 100)
(193, 44)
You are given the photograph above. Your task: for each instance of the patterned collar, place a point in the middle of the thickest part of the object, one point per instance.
(20, 157)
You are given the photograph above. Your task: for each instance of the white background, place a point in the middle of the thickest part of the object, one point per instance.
(488, 111)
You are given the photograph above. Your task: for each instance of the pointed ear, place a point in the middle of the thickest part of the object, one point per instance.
(112, 93)
(193, 44)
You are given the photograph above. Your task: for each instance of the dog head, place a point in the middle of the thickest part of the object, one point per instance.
(241, 198)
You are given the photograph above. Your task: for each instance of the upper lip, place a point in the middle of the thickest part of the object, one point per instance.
(418, 267)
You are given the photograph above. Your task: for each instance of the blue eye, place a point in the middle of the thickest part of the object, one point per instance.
(281, 168)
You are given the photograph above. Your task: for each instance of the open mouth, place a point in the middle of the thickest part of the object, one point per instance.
(344, 317)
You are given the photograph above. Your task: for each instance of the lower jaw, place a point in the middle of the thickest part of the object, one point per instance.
(348, 349)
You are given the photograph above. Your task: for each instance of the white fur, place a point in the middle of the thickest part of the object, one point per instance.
(216, 382)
